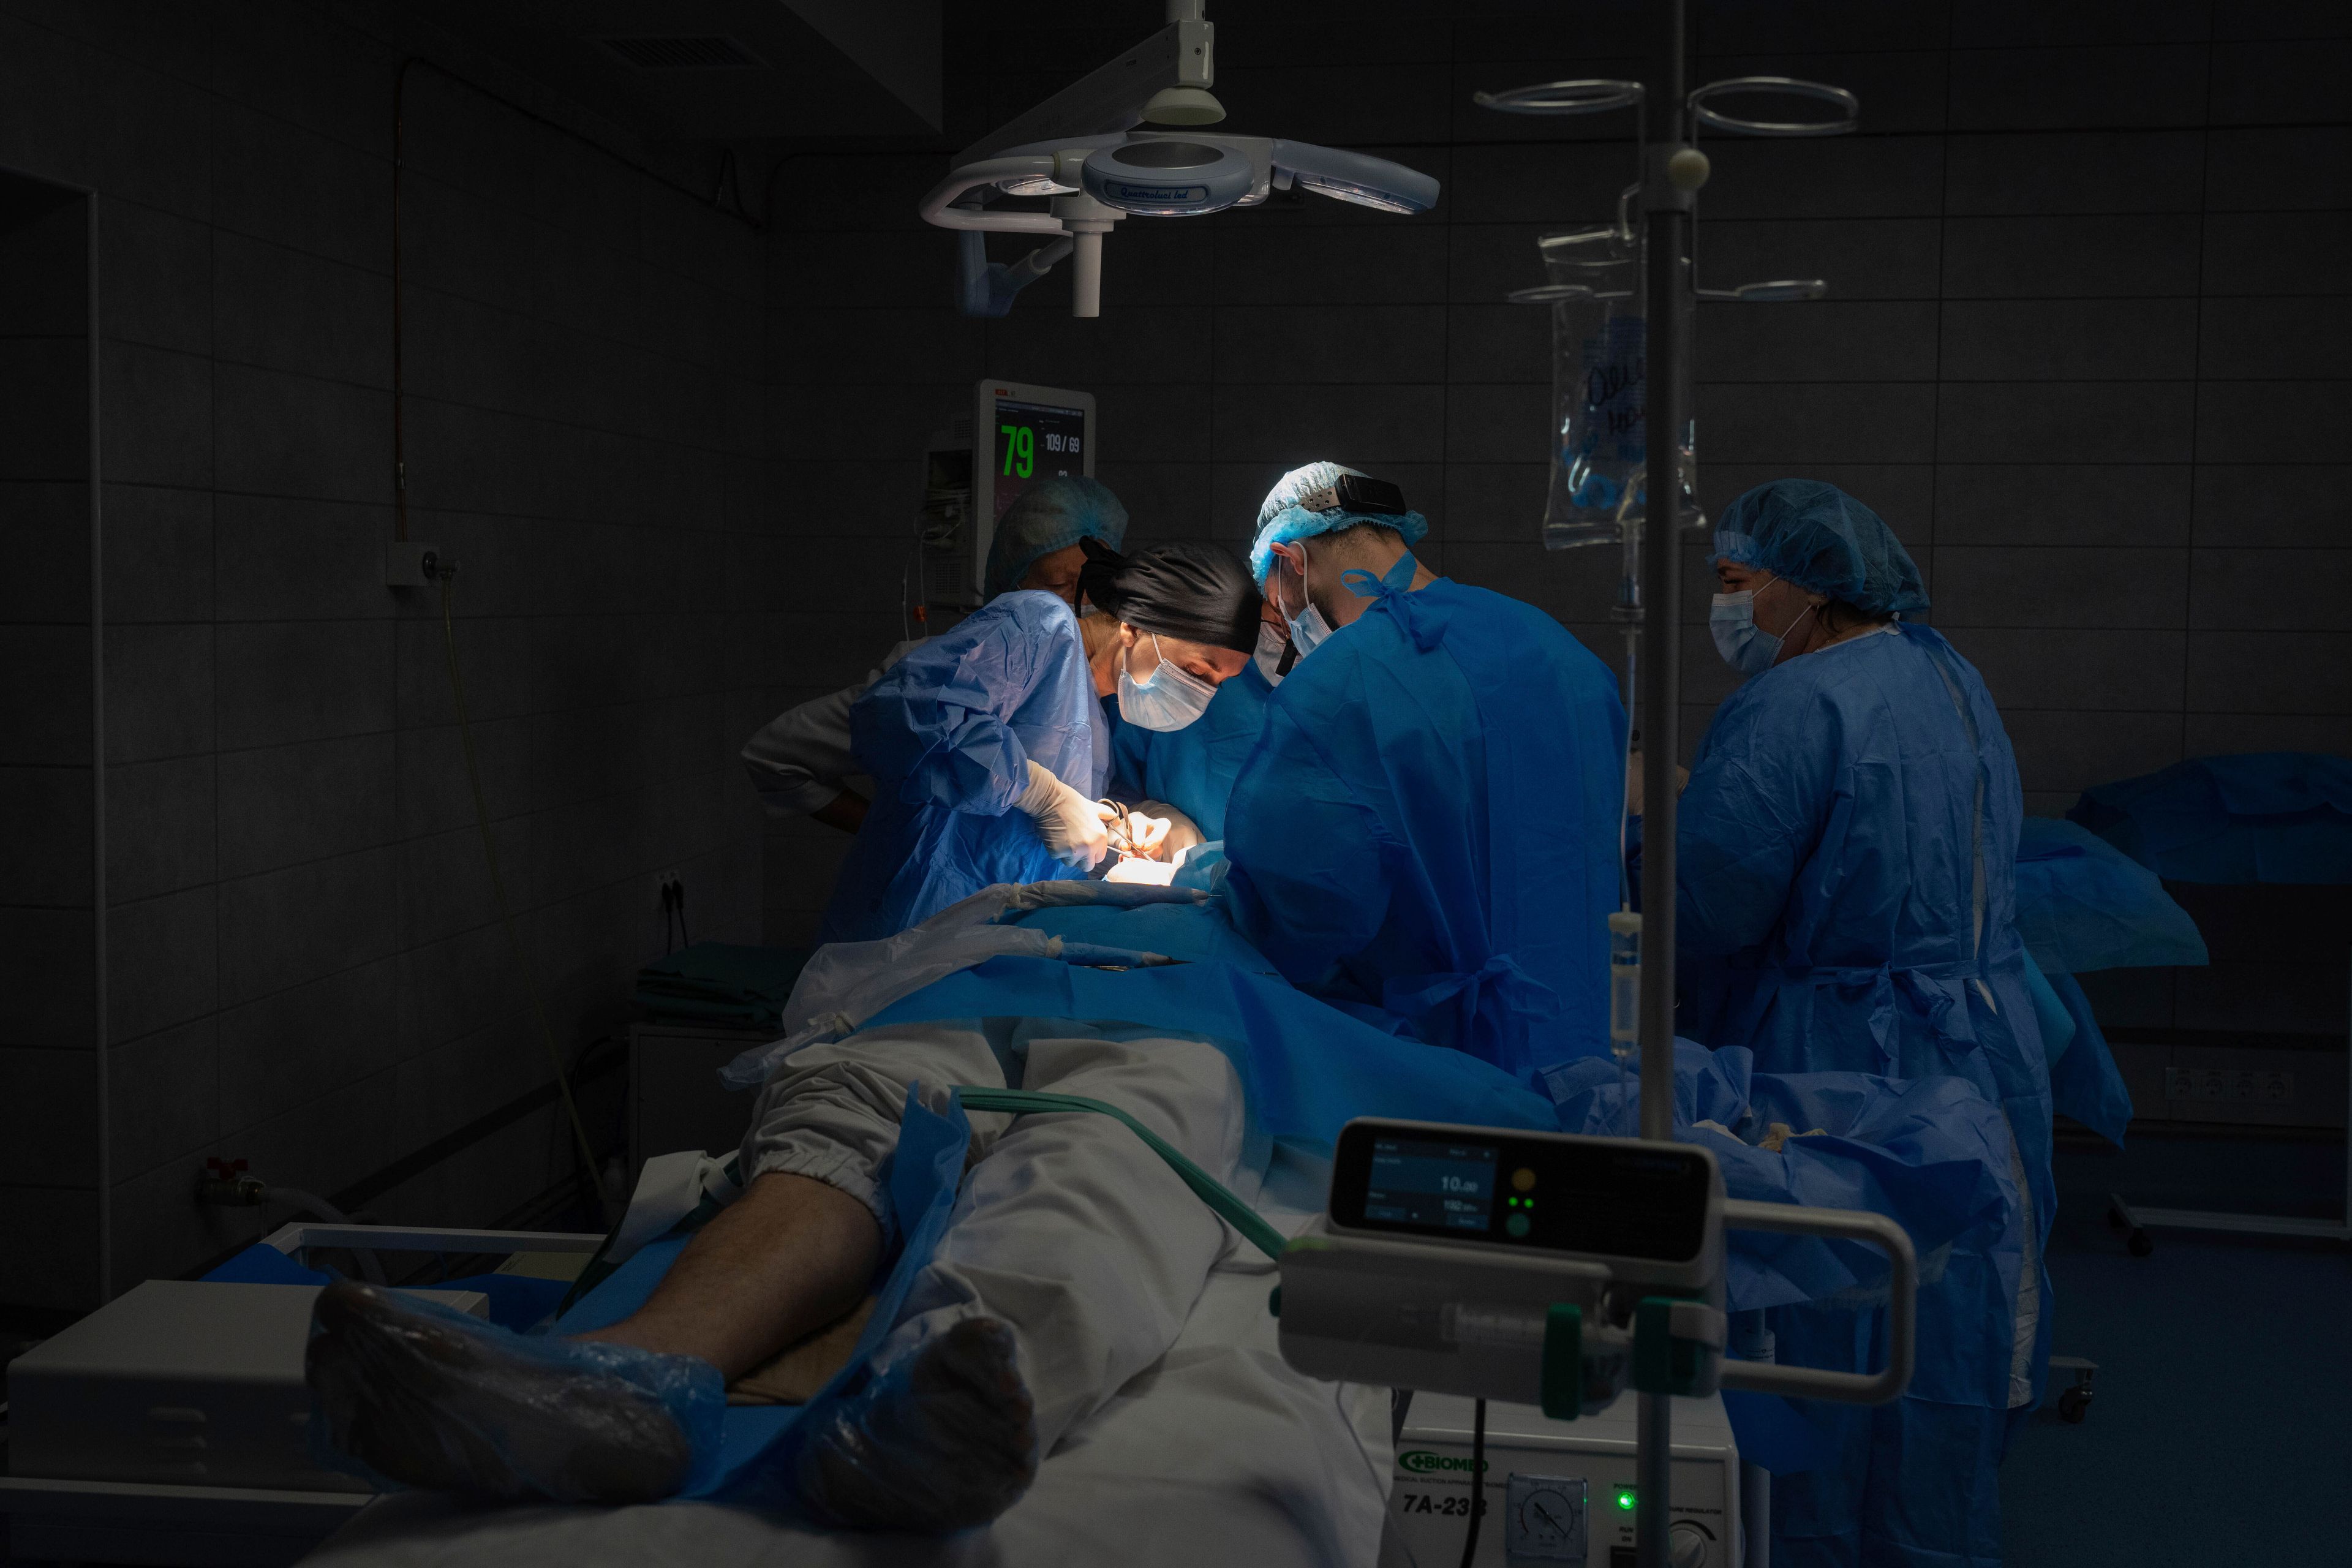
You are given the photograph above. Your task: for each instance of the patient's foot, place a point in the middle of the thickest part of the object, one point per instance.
(943, 1440)
(432, 1405)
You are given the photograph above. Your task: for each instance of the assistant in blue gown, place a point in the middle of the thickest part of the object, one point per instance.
(946, 734)
(1427, 831)
(1845, 884)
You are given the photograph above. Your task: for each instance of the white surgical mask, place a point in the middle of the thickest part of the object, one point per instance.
(1167, 698)
(1270, 644)
(1744, 645)
(1307, 629)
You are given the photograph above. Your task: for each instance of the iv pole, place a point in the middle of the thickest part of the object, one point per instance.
(1666, 210)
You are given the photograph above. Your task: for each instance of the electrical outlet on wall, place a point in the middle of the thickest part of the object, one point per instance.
(2229, 1084)
(669, 889)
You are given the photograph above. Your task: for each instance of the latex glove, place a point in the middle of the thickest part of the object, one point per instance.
(1070, 824)
(1171, 834)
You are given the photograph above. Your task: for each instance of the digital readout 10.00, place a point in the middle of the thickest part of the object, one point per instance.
(1021, 449)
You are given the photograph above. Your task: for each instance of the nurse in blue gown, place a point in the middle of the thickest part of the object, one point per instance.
(1426, 834)
(1845, 887)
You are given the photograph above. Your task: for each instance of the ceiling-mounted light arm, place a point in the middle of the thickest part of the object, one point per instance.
(942, 207)
(1354, 178)
(1168, 73)
(985, 289)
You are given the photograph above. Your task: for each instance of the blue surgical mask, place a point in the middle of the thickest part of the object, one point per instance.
(1167, 698)
(1307, 629)
(1744, 645)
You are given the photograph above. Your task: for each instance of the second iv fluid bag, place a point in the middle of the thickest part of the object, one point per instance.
(1600, 372)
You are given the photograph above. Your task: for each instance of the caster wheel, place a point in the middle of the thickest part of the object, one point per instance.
(2140, 1246)
(2073, 1405)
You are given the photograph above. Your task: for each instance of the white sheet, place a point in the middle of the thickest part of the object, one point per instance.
(1218, 1454)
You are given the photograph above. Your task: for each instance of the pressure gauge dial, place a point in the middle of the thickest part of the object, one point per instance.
(1544, 1521)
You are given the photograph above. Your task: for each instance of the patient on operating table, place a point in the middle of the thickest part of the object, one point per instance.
(1071, 1261)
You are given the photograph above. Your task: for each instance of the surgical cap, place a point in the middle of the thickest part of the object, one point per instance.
(1049, 515)
(1818, 537)
(1197, 592)
(1280, 519)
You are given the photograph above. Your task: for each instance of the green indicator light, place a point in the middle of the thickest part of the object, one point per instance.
(1625, 1500)
(1517, 1225)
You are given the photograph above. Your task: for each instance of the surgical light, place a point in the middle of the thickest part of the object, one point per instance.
(1125, 141)
(1167, 176)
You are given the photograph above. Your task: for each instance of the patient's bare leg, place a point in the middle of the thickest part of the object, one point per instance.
(436, 1406)
(784, 1259)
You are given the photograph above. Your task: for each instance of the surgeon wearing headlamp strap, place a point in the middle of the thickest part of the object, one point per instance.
(1305, 593)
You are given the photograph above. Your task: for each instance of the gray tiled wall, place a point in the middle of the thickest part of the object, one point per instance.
(305, 968)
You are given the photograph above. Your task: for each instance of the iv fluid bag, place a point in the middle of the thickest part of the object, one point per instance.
(1600, 384)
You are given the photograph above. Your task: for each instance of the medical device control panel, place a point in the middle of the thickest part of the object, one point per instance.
(1554, 1491)
(1609, 1198)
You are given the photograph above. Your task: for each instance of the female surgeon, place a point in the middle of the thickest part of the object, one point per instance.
(1845, 892)
(1185, 776)
(988, 745)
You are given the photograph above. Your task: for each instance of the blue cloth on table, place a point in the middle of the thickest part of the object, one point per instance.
(2083, 904)
(946, 734)
(1193, 769)
(1428, 826)
(2084, 1083)
(2049, 1014)
(1304, 1067)
(1932, 1155)
(516, 1301)
(2255, 816)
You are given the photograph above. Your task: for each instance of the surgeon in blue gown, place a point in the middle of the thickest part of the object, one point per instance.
(1845, 887)
(1193, 769)
(987, 744)
(1426, 834)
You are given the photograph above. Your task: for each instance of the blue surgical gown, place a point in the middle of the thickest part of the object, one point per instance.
(946, 734)
(1193, 769)
(1427, 831)
(1846, 891)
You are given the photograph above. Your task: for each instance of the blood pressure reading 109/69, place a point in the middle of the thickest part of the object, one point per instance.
(1449, 1186)
(1034, 441)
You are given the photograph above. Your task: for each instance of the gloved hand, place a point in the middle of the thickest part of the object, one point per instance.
(1070, 824)
(1171, 832)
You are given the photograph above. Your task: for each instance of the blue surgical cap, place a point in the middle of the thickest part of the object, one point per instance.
(1049, 515)
(1818, 537)
(1280, 519)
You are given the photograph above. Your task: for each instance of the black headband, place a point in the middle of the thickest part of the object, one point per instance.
(1197, 592)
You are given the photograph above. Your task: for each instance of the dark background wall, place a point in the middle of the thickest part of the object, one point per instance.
(303, 966)
(2082, 348)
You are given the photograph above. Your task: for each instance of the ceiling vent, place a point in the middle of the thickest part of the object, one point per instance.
(672, 54)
